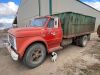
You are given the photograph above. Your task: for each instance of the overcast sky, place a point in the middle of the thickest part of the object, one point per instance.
(8, 8)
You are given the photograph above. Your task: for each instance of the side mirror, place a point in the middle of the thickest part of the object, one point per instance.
(55, 22)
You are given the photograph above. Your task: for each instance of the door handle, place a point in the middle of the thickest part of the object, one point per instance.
(53, 33)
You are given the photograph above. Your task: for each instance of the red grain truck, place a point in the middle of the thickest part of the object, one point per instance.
(47, 34)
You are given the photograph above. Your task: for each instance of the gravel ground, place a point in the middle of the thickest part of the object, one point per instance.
(72, 60)
(3, 38)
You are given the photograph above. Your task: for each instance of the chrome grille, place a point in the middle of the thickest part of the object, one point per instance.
(11, 40)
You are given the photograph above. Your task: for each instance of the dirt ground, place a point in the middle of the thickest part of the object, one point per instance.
(72, 60)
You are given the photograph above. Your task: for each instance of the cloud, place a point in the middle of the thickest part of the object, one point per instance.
(9, 8)
(6, 20)
(7, 12)
(95, 4)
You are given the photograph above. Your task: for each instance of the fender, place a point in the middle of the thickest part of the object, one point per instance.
(28, 42)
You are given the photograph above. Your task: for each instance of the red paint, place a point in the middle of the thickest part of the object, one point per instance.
(28, 35)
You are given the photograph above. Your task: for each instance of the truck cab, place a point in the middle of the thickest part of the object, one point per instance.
(31, 44)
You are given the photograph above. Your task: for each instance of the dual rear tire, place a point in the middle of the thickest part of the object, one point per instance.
(82, 40)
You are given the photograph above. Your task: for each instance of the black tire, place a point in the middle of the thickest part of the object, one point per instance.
(89, 36)
(35, 55)
(76, 41)
(83, 41)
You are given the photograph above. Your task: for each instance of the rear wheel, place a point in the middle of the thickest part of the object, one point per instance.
(83, 41)
(88, 36)
(35, 55)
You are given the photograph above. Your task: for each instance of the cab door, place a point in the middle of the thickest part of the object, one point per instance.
(54, 33)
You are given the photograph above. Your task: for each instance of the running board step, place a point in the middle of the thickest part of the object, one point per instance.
(56, 48)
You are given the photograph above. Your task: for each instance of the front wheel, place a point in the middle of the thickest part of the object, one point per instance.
(35, 55)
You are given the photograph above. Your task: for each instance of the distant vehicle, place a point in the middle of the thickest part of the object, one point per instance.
(48, 34)
(98, 31)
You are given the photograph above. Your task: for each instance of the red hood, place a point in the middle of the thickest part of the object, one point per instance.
(26, 31)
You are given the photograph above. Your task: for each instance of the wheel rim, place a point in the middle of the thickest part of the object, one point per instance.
(36, 56)
(85, 41)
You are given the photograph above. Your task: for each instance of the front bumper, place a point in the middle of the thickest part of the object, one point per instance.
(13, 54)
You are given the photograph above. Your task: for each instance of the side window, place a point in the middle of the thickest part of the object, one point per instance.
(51, 23)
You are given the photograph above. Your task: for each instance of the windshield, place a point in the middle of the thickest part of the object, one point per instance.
(38, 22)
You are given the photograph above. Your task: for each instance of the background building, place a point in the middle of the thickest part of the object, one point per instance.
(29, 9)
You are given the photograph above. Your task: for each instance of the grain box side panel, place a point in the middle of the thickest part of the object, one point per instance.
(75, 24)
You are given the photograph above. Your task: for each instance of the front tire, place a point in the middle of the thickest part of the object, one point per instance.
(35, 55)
